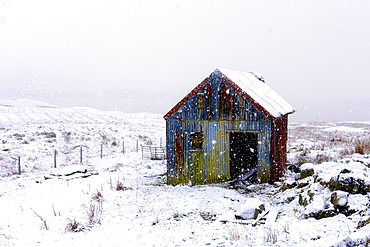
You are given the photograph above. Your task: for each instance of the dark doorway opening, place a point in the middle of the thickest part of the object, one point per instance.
(243, 153)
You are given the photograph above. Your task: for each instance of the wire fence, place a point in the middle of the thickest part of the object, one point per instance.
(20, 160)
(39, 138)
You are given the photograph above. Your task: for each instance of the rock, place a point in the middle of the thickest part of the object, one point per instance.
(289, 199)
(351, 185)
(301, 185)
(306, 166)
(229, 215)
(340, 200)
(344, 242)
(316, 188)
(289, 184)
(348, 184)
(344, 171)
(321, 214)
(317, 208)
(318, 204)
(293, 168)
(363, 223)
(306, 170)
(250, 209)
(367, 186)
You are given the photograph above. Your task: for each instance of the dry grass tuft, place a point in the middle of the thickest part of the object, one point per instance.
(234, 233)
(120, 186)
(74, 226)
(367, 242)
(97, 196)
(362, 146)
(44, 225)
(95, 209)
(270, 235)
(94, 213)
(356, 145)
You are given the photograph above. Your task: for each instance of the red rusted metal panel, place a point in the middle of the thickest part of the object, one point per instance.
(235, 114)
(278, 142)
(207, 102)
(223, 101)
(246, 96)
(179, 152)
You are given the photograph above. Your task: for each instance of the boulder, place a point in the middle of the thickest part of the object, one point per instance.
(316, 188)
(289, 184)
(348, 184)
(339, 199)
(351, 184)
(250, 209)
(307, 170)
(317, 208)
(302, 184)
(293, 168)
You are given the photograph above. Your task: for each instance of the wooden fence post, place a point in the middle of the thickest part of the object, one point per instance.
(19, 165)
(123, 146)
(137, 145)
(55, 158)
(101, 151)
(81, 154)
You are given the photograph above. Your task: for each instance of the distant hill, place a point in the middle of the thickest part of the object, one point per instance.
(24, 103)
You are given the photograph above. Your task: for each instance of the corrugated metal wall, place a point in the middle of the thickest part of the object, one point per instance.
(219, 111)
(212, 163)
(279, 135)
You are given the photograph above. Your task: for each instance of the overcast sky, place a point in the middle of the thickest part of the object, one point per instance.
(140, 56)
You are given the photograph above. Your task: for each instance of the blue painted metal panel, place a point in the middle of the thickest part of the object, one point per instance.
(213, 166)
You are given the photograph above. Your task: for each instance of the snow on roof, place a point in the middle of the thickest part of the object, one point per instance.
(252, 83)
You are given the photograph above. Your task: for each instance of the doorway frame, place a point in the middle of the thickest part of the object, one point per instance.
(229, 132)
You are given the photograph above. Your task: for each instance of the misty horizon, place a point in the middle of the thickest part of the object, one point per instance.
(145, 56)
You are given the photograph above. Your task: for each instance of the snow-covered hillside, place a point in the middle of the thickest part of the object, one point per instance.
(34, 131)
(122, 199)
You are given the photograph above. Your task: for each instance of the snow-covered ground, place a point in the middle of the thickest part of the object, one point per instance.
(79, 205)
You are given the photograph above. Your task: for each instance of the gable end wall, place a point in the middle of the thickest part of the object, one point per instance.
(212, 164)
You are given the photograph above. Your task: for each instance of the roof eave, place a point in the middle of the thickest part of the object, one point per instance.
(284, 115)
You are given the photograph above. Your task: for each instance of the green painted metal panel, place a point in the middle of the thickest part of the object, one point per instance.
(197, 168)
(211, 165)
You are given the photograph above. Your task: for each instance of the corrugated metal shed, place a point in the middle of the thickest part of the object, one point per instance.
(230, 123)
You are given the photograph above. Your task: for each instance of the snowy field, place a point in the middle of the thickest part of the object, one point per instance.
(121, 199)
